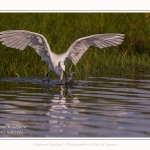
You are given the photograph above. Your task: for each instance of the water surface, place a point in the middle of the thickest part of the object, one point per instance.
(104, 106)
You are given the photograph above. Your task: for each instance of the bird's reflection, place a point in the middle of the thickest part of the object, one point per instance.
(61, 101)
(64, 92)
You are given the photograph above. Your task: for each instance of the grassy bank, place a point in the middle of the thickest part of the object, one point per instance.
(61, 29)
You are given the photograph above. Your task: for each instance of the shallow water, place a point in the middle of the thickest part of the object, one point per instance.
(95, 107)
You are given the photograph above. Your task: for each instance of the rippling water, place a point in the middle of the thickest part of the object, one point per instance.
(95, 107)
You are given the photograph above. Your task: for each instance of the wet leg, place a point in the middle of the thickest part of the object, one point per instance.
(65, 75)
(47, 74)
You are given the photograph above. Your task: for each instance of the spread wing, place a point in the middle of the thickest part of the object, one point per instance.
(20, 39)
(79, 47)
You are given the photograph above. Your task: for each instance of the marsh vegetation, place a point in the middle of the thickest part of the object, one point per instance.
(62, 29)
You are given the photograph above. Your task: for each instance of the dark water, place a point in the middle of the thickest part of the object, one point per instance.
(95, 107)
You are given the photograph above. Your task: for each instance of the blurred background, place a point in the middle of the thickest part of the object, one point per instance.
(62, 29)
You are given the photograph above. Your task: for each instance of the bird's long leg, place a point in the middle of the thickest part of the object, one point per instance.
(62, 66)
(46, 81)
(65, 75)
(47, 74)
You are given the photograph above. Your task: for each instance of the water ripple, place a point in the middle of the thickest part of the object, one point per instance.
(95, 107)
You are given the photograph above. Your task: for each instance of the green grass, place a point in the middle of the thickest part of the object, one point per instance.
(61, 29)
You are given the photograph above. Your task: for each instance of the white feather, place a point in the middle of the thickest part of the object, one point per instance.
(20, 39)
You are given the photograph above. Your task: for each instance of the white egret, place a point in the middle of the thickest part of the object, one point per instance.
(20, 39)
